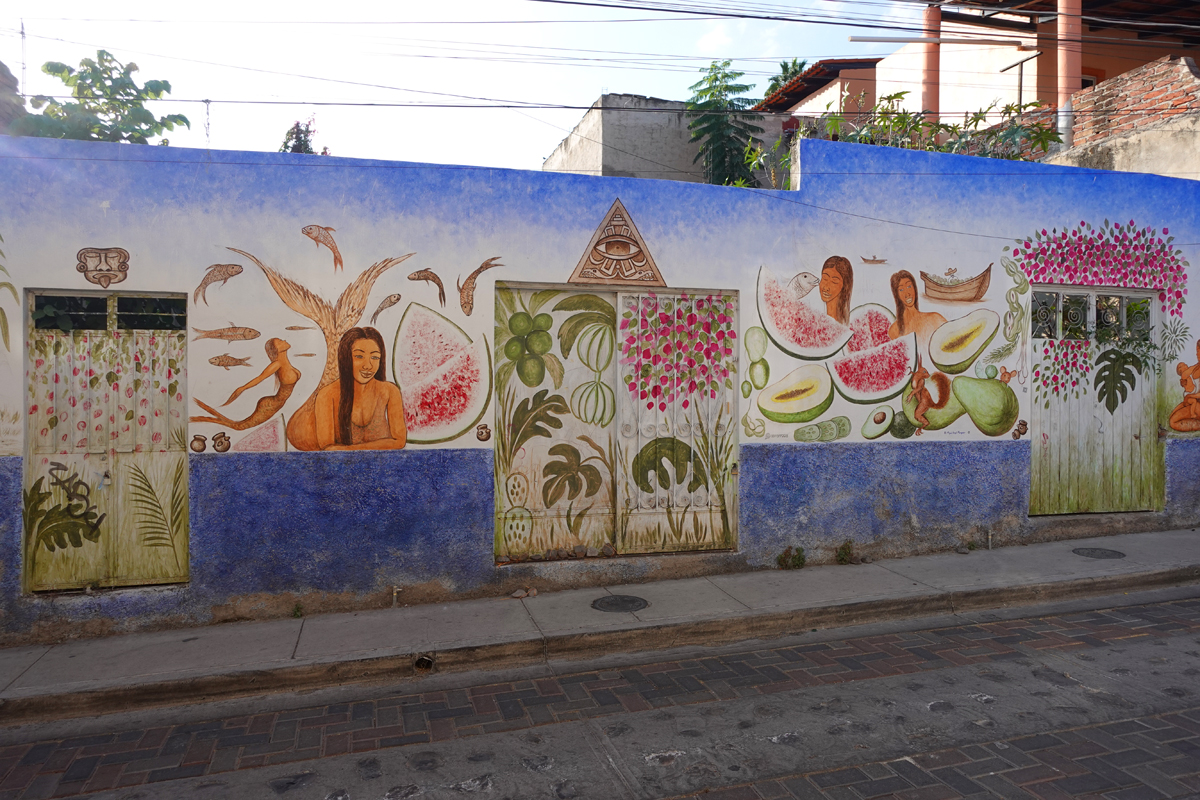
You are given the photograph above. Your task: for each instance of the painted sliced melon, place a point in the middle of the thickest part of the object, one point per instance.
(794, 327)
(956, 344)
(877, 374)
(445, 378)
(870, 323)
(803, 395)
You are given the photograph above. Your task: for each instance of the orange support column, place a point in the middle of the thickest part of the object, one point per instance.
(931, 74)
(1070, 51)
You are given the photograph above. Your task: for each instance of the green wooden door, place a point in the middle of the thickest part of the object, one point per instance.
(1094, 433)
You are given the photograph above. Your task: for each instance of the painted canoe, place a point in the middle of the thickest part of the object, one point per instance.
(969, 291)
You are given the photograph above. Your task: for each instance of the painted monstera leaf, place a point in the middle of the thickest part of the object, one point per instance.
(1116, 376)
(654, 458)
(568, 476)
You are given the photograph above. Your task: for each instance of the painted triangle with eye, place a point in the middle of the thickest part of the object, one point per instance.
(617, 254)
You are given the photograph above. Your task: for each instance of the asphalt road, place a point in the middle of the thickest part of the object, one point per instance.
(1094, 698)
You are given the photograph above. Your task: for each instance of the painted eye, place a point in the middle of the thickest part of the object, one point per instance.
(618, 247)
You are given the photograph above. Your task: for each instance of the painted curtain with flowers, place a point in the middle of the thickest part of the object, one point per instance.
(105, 499)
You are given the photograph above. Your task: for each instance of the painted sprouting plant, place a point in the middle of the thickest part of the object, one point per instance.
(1062, 370)
(1111, 255)
(3, 316)
(678, 348)
(1175, 335)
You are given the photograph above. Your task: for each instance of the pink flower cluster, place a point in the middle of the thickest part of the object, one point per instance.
(676, 348)
(1112, 255)
(1063, 369)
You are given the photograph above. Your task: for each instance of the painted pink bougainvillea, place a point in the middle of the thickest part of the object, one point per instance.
(677, 348)
(1062, 370)
(1111, 255)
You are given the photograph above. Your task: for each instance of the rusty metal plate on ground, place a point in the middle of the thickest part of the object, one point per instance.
(1097, 552)
(619, 602)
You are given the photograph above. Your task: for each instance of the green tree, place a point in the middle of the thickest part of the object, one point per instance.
(298, 139)
(107, 105)
(721, 125)
(787, 71)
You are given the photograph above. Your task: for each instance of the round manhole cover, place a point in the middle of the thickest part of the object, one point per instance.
(1097, 552)
(619, 602)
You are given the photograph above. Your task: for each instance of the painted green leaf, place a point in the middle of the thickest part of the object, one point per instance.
(654, 457)
(154, 527)
(555, 368)
(1116, 375)
(52, 423)
(569, 331)
(535, 417)
(540, 299)
(568, 476)
(589, 302)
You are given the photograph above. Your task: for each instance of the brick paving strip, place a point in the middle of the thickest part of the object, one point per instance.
(83, 764)
(1138, 759)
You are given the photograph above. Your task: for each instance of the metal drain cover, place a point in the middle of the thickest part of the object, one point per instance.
(619, 602)
(1097, 552)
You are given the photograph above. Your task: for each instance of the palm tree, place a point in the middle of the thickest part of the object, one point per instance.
(787, 71)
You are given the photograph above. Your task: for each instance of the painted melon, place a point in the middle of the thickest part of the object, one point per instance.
(794, 327)
(956, 344)
(876, 374)
(444, 377)
(803, 395)
(869, 324)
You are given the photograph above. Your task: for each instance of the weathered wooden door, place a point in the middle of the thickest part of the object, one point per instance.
(105, 501)
(1095, 445)
(614, 421)
(677, 442)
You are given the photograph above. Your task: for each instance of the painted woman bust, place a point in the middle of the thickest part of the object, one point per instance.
(909, 316)
(837, 283)
(362, 410)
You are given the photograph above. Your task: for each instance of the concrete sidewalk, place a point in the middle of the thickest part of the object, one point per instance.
(242, 659)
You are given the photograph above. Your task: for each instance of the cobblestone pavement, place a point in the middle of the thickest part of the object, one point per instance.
(1152, 756)
(1138, 759)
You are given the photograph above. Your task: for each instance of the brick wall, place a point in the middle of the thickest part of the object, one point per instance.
(1136, 99)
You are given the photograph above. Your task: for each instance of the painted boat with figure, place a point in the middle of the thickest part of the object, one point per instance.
(970, 290)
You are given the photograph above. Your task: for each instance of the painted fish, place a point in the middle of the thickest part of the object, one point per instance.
(228, 361)
(301, 327)
(387, 303)
(429, 275)
(803, 283)
(305, 355)
(233, 333)
(466, 291)
(217, 272)
(320, 236)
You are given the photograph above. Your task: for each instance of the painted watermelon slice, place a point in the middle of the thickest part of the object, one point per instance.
(444, 377)
(266, 438)
(870, 323)
(794, 327)
(876, 374)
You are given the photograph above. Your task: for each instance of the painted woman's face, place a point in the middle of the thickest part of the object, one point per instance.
(831, 284)
(907, 292)
(366, 360)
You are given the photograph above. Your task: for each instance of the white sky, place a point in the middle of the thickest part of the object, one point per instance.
(229, 51)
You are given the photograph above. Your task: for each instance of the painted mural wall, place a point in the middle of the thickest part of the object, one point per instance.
(876, 357)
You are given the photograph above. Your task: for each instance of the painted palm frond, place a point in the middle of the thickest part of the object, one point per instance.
(4, 330)
(179, 497)
(295, 296)
(179, 438)
(154, 526)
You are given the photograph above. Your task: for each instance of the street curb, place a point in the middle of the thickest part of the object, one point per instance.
(578, 646)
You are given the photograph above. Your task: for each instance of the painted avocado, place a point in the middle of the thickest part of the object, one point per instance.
(956, 344)
(760, 373)
(992, 404)
(803, 395)
(878, 422)
(746, 388)
(902, 427)
(756, 343)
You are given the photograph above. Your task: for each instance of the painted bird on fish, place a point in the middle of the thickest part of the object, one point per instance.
(320, 235)
(233, 333)
(431, 276)
(228, 361)
(387, 303)
(803, 283)
(217, 272)
(466, 290)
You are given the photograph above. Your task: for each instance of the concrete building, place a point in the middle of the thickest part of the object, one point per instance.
(631, 136)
